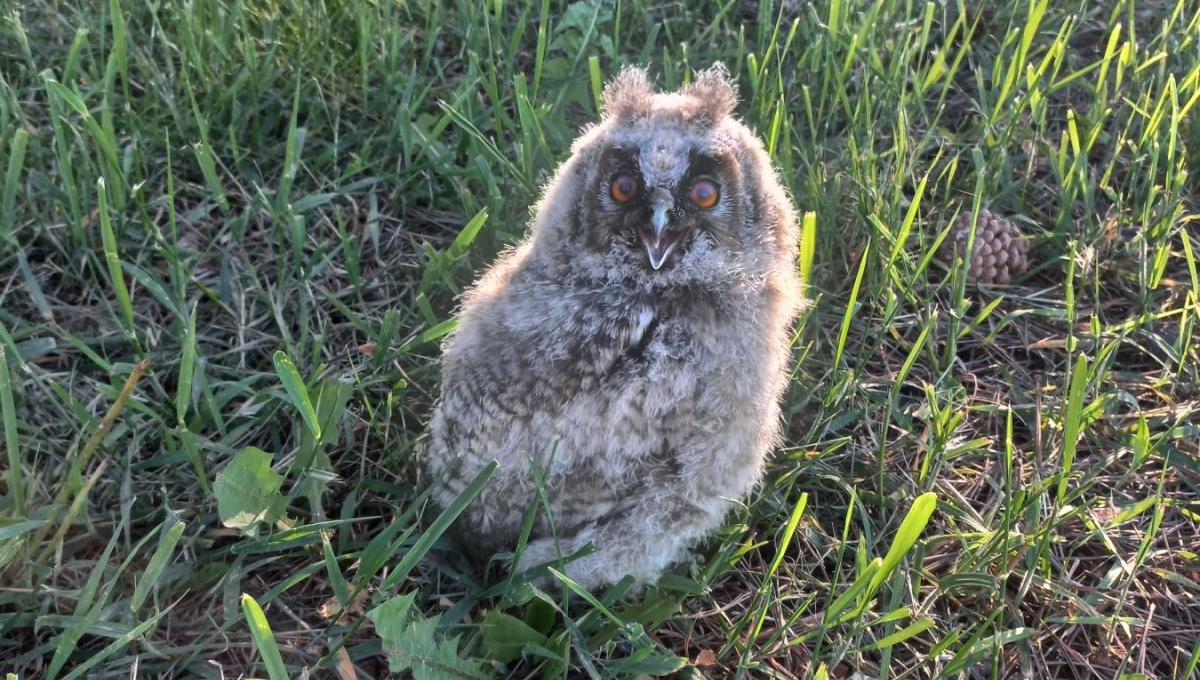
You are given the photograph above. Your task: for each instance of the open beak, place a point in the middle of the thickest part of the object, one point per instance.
(658, 239)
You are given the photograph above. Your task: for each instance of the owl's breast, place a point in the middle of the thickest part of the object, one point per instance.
(567, 374)
(689, 368)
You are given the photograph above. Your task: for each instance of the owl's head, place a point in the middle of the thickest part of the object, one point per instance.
(667, 188)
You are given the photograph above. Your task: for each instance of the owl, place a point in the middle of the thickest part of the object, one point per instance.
(624, 364)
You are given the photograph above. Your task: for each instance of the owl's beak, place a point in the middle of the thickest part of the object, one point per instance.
(659, 240)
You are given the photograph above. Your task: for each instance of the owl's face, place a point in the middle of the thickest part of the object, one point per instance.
(668, 188)
(659, 189)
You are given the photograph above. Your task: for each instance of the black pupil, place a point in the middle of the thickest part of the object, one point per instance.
(704, 191)
(626, 186)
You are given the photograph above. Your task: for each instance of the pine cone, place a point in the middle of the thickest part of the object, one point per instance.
(1000, 254)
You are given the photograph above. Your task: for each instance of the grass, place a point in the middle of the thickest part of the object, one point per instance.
(232, 233)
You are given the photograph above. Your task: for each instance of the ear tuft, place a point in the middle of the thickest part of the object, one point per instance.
(628, 95)
(715, 90)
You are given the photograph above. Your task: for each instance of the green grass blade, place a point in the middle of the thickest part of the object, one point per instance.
(8, 420)
(468, 234)
(16, 161)
(297, 392)
(1194, 661)
(635, 633)
(438, 527)
(171, 531)
(36, 294)
(187, 370)
(113, 259)
(116, 646)
(851, 306)
(187, 439)
(292, 151)
(539, 59)
(906, 225)
(906, 536)
(11, 531)
(341, 589)
(208, 168)
(264, 639)
(596, 80)
(87, 610)
(978, 649)
(902, 635)
(106, 143)
(760, 603)
(808, 249)
(851, 594)
(435, 333)
(152, 286)
(1071, 424)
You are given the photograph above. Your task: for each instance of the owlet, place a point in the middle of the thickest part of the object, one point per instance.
(625, 363)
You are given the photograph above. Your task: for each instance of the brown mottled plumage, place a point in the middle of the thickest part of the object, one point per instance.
(632, 351)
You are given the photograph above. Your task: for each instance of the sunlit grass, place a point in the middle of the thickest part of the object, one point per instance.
(228, 226)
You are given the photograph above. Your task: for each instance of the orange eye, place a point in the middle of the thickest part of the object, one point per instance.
(624, 188)
(705, 193)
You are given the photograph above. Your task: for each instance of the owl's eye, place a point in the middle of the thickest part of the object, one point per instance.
(705, 193)
(624, 188)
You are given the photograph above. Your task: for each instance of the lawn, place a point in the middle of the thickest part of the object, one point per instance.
(233, 232)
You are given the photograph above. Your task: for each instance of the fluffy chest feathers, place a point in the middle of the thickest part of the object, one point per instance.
(609, 337)
(629, 372)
